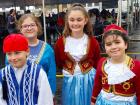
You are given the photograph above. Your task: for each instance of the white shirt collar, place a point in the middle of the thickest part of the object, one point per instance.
(117, 73)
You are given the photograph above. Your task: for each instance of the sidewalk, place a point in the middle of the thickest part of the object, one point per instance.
(134, 45)
(136, 34)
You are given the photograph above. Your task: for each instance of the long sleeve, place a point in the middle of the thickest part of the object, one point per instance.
(45, 95)
(2, 101)
(137, 83)
(97, 82)
(52, 71)
(97, 54)
(58, 46)
(137, 89)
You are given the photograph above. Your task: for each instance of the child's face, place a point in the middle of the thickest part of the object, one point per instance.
(76, 21)
(29, 28)
(115, 46)
(17, 58)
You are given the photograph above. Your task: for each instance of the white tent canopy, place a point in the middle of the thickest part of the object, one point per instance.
(8, 3)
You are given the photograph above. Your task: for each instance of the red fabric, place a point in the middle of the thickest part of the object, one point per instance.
(93, 54)
(114, 27)
(60, 21)
(136, 70)
(15, 42)
(135, 81)
(98, 81)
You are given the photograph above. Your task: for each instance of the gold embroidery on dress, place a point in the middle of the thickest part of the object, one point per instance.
(69, 65)
(82, 66)
(104, 80)
(126, 86)
(40, 53)
(86, 65)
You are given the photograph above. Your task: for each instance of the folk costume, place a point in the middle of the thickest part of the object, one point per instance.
(77, 58)
(118, 84)
(43, 54)
(25, 85)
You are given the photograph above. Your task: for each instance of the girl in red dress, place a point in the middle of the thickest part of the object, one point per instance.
(117, 77)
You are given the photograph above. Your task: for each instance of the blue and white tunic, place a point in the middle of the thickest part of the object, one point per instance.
(24, 86)
(43, 54)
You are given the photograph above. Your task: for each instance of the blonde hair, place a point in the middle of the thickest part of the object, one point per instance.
(88, 29)
(35, 19)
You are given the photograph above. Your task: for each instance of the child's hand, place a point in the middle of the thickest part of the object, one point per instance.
(92, 103)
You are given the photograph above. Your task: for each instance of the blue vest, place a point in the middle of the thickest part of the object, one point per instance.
(25, 93)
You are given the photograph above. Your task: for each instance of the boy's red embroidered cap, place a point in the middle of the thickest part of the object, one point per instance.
(114, 27)
(15, 42)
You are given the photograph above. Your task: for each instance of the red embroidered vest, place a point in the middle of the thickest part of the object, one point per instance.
(126, 88)
(86, 63)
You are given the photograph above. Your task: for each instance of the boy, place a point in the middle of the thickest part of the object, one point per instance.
(22, 82)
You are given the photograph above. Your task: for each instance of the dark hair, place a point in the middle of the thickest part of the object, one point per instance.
(116, 33)
(11, 11)
(87, 28)
(28, 11)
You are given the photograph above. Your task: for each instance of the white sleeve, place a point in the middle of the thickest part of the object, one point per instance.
(45, 94)
(2, 101)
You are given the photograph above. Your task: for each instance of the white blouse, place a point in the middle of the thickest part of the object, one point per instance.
(77, 48)
(117, 73)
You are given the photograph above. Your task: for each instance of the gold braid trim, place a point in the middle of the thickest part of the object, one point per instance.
(41, 53)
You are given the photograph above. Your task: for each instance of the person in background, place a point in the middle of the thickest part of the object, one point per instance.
(22, 82)
(40, 51)
(117, 80)
(27, 12)
(77, 53)
(113, 13)
(11, 23)
(92, 18)
(60, 23)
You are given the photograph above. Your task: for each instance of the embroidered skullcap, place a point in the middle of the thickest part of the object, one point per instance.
(15, 42)
(113, 27)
